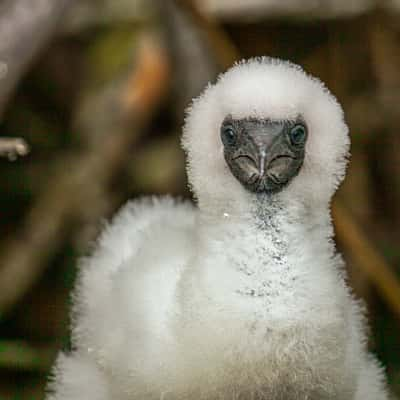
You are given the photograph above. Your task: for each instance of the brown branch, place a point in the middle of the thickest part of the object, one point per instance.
(82, 179)
(224, 49)
(25, 27)
(366, 257)
(180, 29)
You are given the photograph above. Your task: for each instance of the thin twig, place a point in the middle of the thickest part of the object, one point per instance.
(13, 148)
(224, 49)
(365, 256)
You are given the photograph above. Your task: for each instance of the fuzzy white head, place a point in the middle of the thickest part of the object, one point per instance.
(274, 90)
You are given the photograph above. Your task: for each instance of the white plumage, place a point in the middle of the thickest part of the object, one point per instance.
(242, 297)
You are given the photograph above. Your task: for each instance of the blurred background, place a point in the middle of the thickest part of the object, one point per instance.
(92, 99)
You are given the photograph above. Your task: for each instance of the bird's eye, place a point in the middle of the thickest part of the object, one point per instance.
(298, 135)
(228, 135)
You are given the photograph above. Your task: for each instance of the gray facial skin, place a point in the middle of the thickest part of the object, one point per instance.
(264, 155)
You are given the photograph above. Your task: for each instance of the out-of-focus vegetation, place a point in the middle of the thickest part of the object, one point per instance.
(97, 89)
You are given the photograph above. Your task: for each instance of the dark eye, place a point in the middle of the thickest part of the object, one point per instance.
(298, 135)
(228, 135)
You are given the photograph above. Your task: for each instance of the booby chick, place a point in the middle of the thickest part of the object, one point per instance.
(243, 297)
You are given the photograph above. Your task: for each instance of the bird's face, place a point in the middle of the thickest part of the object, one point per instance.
(264, 155)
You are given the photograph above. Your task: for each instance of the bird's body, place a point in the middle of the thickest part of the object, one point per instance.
(243, 297)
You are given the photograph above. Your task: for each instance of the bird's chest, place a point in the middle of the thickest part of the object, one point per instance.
(244, 272)
(250, 310)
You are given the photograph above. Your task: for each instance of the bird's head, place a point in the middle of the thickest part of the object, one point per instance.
(266, 129)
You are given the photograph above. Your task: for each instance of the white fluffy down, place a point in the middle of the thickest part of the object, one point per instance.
(266, 88)
(242, 297)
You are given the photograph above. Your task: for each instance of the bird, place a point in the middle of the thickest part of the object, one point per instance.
(242, 295)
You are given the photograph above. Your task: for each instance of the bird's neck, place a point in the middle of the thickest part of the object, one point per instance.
(265, 213)
(270, 231)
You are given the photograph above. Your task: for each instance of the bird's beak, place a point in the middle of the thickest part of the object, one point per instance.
(263, 159)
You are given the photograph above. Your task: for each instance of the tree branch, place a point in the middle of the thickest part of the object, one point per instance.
(13, 147)
(25, 27)
(365, 256)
